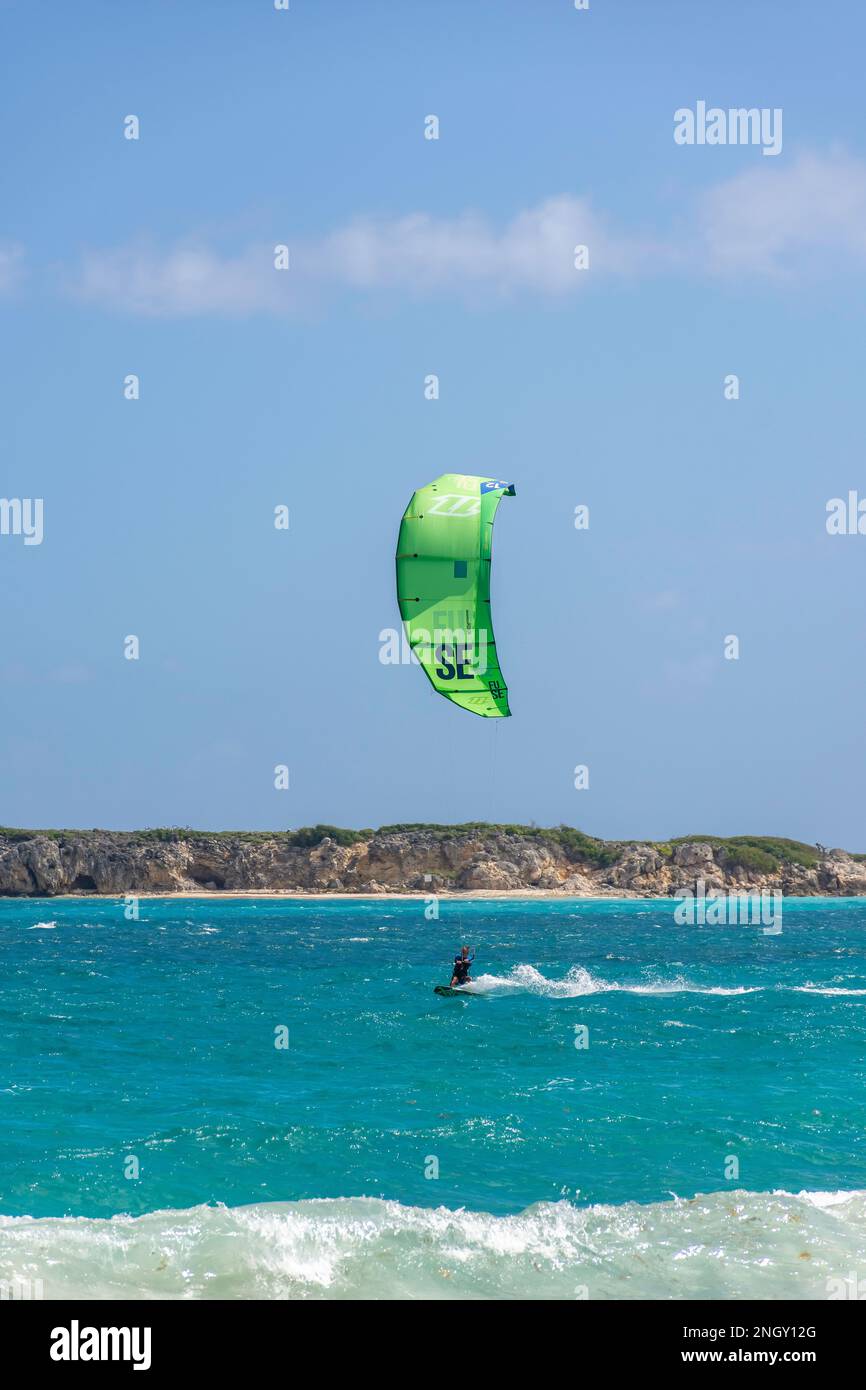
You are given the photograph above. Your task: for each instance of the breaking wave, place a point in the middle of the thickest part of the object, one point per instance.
(724, 1245)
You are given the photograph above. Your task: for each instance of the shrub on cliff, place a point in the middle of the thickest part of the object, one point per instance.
(311, 835)
(761, 854)
(578, 847)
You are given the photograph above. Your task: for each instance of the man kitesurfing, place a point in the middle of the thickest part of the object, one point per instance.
(462, 965)
(460, 976)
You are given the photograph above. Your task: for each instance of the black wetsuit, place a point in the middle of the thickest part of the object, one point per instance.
(461, 968)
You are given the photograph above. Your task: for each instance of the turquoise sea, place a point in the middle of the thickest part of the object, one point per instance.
(155, 1142)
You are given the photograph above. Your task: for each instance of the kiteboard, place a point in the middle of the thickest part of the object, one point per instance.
(447, 991)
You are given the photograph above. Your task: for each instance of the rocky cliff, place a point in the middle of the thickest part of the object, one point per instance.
(428, 859)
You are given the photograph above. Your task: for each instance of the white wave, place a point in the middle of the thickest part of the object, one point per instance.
(683, 987)
(822, 1199)
(578, 982)
(727, 1245)
(43, 926)
(828, 990)
(527, 980)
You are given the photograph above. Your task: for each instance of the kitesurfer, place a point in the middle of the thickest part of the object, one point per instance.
(462, 964)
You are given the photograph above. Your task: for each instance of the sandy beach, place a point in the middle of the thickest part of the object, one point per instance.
(478, 894)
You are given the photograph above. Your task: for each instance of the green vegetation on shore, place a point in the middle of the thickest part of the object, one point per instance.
(578, 846)
(758, 853)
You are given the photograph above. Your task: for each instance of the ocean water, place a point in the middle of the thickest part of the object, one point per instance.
(154, 1142)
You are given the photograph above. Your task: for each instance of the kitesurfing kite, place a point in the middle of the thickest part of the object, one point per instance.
(443, 589)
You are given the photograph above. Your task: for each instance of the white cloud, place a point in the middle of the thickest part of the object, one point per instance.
(188, 280)
(423, 253)
(419, 254)
(770, 221)
(780, 219)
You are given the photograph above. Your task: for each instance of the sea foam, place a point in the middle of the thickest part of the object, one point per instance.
(723, 1245)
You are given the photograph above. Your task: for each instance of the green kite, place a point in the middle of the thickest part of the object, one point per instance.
(443, 589)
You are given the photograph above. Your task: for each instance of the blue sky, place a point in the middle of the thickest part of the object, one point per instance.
(409, 257)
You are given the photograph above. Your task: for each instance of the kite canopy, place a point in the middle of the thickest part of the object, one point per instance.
(443, 589)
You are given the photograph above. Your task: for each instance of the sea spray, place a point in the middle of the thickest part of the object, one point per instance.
(721, 1245)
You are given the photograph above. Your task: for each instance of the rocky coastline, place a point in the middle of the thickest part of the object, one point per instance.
(470, 860)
